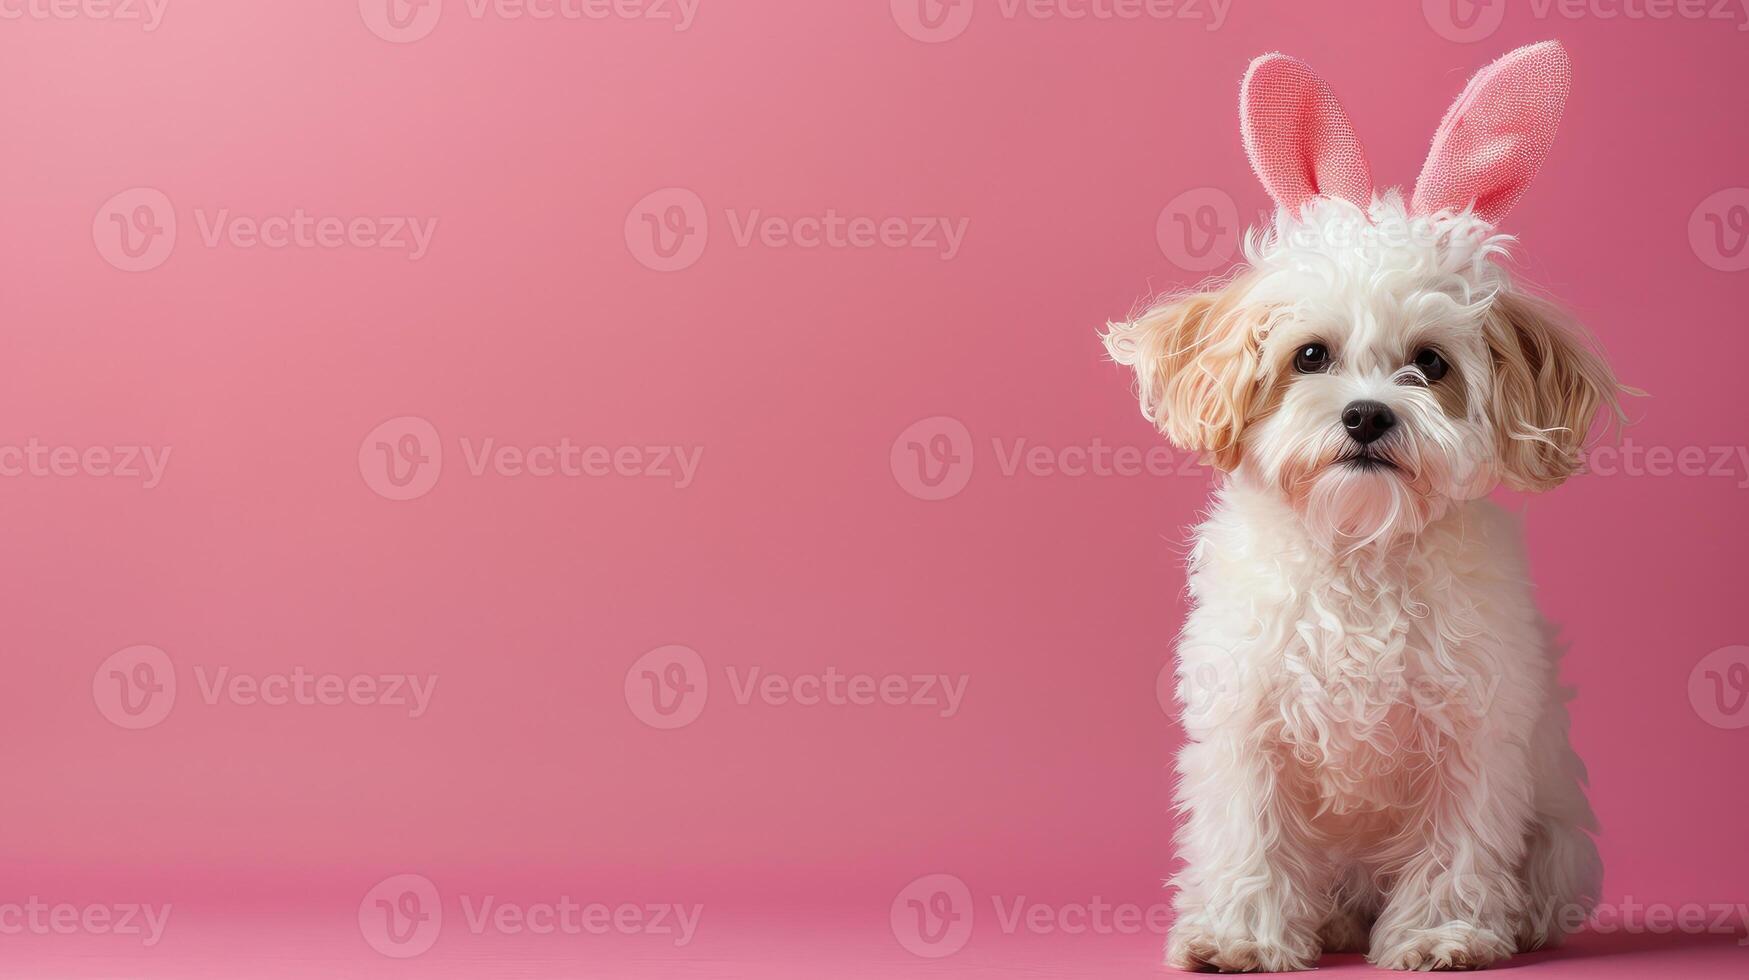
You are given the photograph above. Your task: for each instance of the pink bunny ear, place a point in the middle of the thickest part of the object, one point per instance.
(1494, 137)
(1298, 138)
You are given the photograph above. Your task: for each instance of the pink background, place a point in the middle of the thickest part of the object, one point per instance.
(798, 546)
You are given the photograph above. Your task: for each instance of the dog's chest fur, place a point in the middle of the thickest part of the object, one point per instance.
(1366, 670)
(1369, 695)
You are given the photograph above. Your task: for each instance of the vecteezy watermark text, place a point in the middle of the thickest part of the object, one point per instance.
(938, 691)
(136, 230)
(406, 21)
(667, 230)
(35, 917)
(1629, 915)
(829, 229)
(934, 458)
(39, 460)
(136, 687)
(668, 687)
(1473, 20)
(567, 459)
(402, 916)
(935, 21)
(1634, 460)
(301, 687)
(300, 229)
(934, 916)
(401, 459)
(566, 916)
(147, 13)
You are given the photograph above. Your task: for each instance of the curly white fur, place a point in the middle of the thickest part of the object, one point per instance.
(1377, 754)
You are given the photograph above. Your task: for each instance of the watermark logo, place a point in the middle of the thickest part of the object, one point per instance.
(932, 21)
(402, 458)
(1718, 230)
(1198, 230)
(1205, 691)
(668, 230)
(1718, 688)
(1464, 21)
(136, 687)
(401, 916)
(935, 21)
(667, 687)
(405, 21)
(401, 21)
(932, 459)
(932, 916)
(135, 230)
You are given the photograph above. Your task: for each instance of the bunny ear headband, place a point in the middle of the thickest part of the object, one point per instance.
(1485, 152)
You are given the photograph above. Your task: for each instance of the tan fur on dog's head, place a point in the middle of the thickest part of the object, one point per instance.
(1196, 363)
(1509, 392)
(1549, 387)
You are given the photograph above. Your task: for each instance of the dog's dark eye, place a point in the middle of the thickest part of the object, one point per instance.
(1312, 359)
(1431, 365)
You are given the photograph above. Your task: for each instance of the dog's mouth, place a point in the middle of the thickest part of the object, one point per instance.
(1366, 460)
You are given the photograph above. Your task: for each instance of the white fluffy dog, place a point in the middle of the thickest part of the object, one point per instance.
(1377, 756)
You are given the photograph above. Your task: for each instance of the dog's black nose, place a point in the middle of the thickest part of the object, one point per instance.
(1367, 421)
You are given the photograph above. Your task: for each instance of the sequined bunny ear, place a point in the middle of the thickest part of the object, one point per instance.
(1495, 137)
(1299, 139)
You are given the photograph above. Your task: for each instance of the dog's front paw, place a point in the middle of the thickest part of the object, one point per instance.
(1453, 946)
(1194, 948)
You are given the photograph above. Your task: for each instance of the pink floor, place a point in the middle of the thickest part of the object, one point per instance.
(798, 943)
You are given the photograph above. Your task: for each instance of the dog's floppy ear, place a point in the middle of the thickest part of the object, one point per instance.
(1549, 385)
(1494, 138)
(1195, 358)
(1299, 140)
